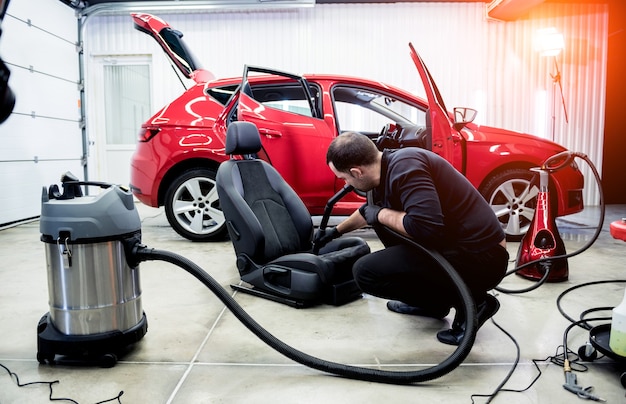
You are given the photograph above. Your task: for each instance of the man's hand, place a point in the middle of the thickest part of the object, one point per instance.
(325, 236)
(370, 213)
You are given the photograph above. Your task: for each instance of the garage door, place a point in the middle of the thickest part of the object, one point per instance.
(42, 138)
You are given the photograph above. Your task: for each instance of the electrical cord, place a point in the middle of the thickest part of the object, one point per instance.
(498, 389)
(557, 359)
(14, 375)
(568, 357)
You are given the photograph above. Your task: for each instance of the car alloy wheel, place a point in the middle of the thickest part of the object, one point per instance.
(513, 197)
(192, 206)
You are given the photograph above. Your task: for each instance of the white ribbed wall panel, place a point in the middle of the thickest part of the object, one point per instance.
(487, 65)
(42, 137)
(520, 80)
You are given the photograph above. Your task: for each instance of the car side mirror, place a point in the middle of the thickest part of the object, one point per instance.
(463, 116)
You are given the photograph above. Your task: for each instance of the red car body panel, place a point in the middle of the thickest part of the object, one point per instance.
(190, 131)
(180, 131)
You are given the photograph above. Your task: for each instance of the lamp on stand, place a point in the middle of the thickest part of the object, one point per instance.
(551, 44)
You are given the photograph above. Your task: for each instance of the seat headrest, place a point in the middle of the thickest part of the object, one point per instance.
(242, 138)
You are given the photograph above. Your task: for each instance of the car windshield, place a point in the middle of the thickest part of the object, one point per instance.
(367, 110)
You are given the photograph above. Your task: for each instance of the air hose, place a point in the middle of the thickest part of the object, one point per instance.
(139, 252)
(555, 163)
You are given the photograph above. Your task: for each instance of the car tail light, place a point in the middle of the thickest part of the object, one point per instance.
(148, 132)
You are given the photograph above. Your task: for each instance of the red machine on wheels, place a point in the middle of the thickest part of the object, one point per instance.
(542, 239)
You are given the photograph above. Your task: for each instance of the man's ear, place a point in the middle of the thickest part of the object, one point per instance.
(356, 172)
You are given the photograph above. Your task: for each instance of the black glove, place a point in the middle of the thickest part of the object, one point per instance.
(325, 236)
(370, 213)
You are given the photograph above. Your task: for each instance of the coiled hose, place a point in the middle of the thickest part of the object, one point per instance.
(140, 252)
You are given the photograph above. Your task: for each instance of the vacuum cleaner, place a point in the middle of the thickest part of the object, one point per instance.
(93, 251)
(542, 240)
(94, 294)
(541, 255)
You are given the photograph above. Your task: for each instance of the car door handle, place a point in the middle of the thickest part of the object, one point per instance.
(455, 137)
(270, 133)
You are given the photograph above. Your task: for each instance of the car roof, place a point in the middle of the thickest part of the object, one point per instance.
(342, 79)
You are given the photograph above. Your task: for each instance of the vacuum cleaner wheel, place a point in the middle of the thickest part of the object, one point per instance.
(102, 349)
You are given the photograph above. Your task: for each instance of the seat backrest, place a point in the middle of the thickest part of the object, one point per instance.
(265, 217)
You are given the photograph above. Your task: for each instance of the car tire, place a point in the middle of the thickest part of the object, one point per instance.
(192, 206)
(513, 196)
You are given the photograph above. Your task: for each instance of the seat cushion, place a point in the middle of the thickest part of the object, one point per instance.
(339, 256)
(333, 265)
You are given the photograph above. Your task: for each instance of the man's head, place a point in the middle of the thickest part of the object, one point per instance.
(354, 158)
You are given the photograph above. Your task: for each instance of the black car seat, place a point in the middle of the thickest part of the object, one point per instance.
(272, 230)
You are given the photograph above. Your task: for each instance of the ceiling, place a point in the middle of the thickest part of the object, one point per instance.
(87, 3)
(505, 10)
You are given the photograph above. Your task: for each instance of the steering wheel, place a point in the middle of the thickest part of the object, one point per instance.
(388, 136)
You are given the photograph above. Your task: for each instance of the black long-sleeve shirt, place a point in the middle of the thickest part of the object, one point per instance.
(443, 209)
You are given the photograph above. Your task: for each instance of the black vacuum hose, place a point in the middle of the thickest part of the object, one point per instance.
(142, 253)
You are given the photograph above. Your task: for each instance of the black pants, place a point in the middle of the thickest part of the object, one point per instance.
(401, 272)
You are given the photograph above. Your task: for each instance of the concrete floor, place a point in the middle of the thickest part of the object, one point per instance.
(196, 351)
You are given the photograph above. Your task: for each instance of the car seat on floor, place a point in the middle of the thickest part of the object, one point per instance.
(271, 231)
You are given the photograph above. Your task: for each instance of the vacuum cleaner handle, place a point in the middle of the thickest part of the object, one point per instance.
(331, 203)
(560, 160)
(328, 210)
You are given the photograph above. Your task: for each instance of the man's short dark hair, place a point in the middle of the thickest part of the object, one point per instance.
(351, 149)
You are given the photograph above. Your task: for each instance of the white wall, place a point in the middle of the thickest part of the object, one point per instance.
(486, 64)
(41, 139)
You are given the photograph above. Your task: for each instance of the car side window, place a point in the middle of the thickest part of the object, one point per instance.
(288, 98)
(222, 94)
(368, 111)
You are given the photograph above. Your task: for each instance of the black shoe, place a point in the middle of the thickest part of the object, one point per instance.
(403, 308)
(455, 335)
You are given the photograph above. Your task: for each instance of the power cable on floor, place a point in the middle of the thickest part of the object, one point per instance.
(558, 359)
(508, 376)
(14, 375)
(500, 387)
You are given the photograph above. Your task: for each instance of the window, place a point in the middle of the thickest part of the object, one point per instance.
(222, 94)
(126, 101)
(288, 97)
(366, 111)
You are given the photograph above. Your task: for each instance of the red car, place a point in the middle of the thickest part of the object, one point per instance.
(182, 145)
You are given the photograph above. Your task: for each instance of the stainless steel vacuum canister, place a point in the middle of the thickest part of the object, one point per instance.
(92, 289)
